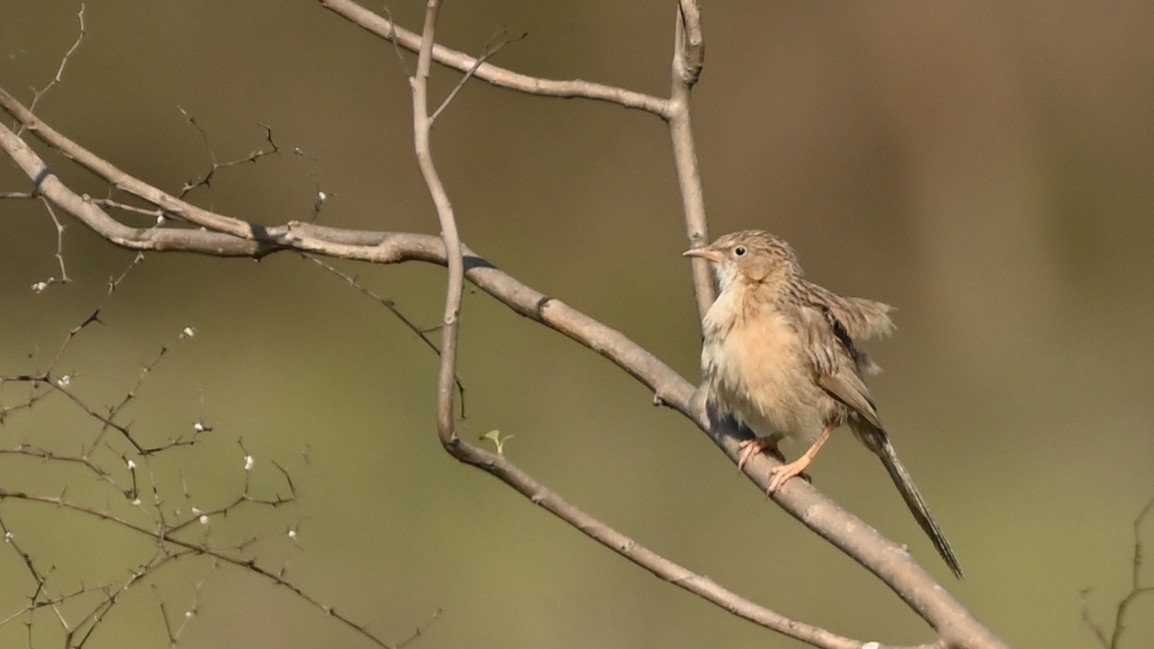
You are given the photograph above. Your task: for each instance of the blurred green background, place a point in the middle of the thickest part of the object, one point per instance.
(986, 167)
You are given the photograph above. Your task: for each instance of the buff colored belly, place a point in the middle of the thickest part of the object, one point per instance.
(770, 388)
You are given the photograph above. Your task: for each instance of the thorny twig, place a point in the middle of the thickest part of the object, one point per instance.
(1138, 589)
(39, 94)
(422, 334)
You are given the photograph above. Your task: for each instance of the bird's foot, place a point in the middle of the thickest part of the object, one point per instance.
(751, 447)
(779, 474)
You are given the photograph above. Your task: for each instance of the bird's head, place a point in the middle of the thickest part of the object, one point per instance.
(752, 256)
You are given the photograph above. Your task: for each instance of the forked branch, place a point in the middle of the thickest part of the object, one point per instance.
(194, 229)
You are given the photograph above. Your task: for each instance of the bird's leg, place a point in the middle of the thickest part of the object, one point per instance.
(779, 474)
(751, 447)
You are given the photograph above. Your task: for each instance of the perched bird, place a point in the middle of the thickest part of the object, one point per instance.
(780, 354)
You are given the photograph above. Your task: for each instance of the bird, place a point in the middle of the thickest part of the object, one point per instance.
(781, 355)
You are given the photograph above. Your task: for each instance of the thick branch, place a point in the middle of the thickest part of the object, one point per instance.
(169, 204)
(221, 235)
(886, 559)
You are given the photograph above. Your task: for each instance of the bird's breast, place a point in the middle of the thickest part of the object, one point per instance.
(754, 368)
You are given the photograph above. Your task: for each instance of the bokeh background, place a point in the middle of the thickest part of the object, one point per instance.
(986, 167)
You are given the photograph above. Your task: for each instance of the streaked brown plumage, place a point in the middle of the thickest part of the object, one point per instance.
(780, 354)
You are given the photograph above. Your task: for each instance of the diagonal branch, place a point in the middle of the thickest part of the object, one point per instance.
(166, 537)
(421, 334)
(170, 204)
(83, 31)
(222, 235)
(803, 501)
(498, 76)
(489, 51)
(497, 464)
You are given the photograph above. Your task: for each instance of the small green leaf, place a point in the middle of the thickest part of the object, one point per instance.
(498, 441)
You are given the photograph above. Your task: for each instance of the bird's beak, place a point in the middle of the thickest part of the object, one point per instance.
(704, 253)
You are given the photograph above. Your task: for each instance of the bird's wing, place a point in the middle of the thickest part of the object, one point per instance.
(861, 318)
(835, 360)
(837, 364)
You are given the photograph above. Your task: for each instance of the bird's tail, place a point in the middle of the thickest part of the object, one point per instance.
(877, 440)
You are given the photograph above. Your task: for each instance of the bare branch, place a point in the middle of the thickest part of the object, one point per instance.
(320, 197)
(39, 94)
(642, 556)
(420, 630)
(500, 466)
(145, 371)
(1088, 620)
(62, 382)
(222, 235)
(206, 179)
(167, 537)
(177, 629)
(685, 152)
(500, 77)
(64, 279)
(46, 181)
(422, 126)
(1137, 588)
(800, 499)
(692, 42)
(489, 51)
(392, 307)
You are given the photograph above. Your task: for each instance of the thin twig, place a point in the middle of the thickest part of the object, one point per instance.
(489, 51)
(186, 618)
(224, 235)
(166, 536)
(64, 279)
(146, 370)
(393, 38)
(1137, 590)
(419, 630)
(39, 94)
(205, 180)
(1088, 620)
(422, 334)
(46, 182)
(62, 382)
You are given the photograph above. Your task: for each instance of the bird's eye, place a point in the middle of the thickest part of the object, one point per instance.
(739, 251)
